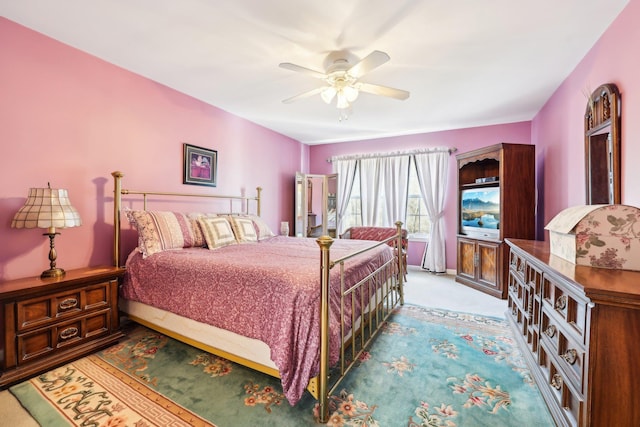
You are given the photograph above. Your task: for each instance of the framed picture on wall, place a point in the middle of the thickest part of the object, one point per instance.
(200, 166)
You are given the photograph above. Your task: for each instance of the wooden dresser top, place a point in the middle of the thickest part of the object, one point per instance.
(599, 284)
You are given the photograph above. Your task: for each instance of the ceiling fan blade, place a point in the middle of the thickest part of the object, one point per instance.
(383, 90)
(300, 69)
(368, 63)
(304, 94)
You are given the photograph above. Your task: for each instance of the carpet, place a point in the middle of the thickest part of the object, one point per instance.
(427, 368)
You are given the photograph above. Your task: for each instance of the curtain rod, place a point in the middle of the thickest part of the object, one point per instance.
(393, 153)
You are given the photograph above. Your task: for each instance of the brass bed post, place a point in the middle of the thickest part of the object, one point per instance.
(325, 243)
(117, 199)
(401, 267)
(259, 191)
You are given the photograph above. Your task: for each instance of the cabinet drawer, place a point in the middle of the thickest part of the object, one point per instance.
(564, 395)
(572, 309)
(42, 311)
(43, 341)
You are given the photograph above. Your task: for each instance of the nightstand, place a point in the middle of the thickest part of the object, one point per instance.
(48, 322)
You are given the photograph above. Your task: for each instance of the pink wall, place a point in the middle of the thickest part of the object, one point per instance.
(71, 119)
(462, 139)
(558, 129)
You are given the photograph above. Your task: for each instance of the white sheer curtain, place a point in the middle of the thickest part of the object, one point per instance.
(370, 190)
(395, 173)
(432, 168)
(346, 170)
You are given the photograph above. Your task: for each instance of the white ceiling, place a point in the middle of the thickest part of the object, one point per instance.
(466, 62)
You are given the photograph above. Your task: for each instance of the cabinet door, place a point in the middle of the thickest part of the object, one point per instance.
(488, 267)
(467, 258)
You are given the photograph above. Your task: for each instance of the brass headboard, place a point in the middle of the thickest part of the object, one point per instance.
(118, 191)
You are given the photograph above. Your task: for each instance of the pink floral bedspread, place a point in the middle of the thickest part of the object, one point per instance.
(268, 290)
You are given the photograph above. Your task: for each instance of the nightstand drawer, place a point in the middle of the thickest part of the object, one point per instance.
(38, 312)
(41, 342)
(48, 322)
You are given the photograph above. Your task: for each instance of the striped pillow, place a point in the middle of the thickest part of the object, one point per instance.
(159, 231)
(217, 232)
(263, 230)
(243, 229)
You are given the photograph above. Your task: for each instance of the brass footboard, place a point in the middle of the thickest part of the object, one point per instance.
(377, 294)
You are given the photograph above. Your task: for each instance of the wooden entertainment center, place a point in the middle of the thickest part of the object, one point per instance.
(482, 254)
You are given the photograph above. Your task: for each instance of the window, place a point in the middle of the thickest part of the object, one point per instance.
(417, 221)
(353, 215)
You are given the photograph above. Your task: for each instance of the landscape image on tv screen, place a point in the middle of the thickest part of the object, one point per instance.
(481, 208)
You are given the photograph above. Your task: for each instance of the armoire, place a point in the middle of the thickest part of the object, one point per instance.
(496, 200)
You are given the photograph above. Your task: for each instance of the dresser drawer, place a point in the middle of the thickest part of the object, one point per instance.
(38, 312)
(566, 398)
(534, 280)
(517, 290)
(572, 309)
(41, 342)
(569, 352)
(517, 265)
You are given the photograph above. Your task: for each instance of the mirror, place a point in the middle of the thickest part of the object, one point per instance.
(315, 205)
(602, 146)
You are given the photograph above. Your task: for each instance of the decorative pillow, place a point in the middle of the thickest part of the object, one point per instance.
(243, 229)
(198, 237)
(159, 231)
(262, 229)
(217, 232)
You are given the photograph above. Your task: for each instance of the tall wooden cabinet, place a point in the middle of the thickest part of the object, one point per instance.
(496, 200)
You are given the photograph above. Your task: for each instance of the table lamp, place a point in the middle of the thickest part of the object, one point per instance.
(47, 208)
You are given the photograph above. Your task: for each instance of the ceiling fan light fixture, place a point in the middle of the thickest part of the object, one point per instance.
(342, 102)
(342, 80)
(327, 94)
(351, 93)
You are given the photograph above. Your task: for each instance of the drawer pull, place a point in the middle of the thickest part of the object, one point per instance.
(556, 382)
(570, 356)
(550, 331)
(69, 333)
(68, 303)
(561, 302)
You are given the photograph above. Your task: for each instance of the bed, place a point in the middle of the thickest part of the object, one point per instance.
(300, 309)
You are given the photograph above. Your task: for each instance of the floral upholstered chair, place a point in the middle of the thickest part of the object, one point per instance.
(379, 234)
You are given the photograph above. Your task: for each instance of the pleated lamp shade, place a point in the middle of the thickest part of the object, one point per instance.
(47, 208)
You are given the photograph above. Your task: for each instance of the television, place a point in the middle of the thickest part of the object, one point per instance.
(480, 211)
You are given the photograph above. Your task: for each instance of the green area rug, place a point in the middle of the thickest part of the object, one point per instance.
(428, 367)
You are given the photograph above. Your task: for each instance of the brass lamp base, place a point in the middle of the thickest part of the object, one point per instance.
(52, 272)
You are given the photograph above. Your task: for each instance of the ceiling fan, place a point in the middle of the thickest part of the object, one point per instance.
(342, 79)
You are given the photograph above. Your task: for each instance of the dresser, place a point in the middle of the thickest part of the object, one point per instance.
(48, 322)
(579, 330)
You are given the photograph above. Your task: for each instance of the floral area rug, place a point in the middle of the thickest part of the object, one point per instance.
(428, 367)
